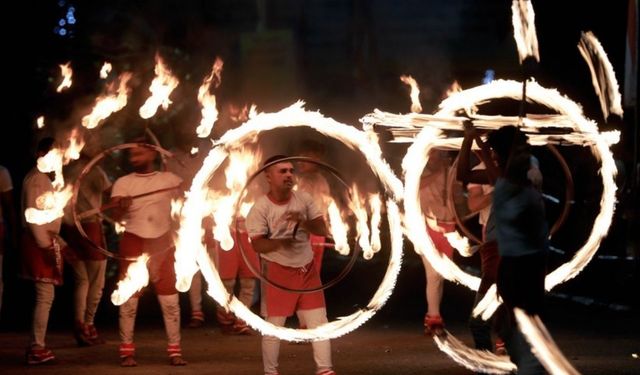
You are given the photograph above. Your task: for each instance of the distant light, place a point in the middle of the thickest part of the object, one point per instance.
(62, 31)
(489, 75)
(634, 355)
(71, 9)
(71, 21)
(56, 29)
(62, 22)
(61, 3)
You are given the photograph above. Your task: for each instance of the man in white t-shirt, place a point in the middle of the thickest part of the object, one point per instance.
(279, 225)
(147, 221)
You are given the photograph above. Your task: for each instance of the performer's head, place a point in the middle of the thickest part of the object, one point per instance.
(142, 158)
(311, 149)
(279, 175)
(512, 150)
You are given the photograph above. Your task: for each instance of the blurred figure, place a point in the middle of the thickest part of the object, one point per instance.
(88, 264)
(41, 260)
(440, 220)
(148, 230)
(8, 220)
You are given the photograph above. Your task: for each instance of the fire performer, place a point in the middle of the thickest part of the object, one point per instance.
(440, 220)
(88, 265)
(287, 259)
(522, 237)
(480, 191)
(41, 259)
(148, 230)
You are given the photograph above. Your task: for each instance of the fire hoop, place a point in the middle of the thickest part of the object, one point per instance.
(259, 275)
(98, 210)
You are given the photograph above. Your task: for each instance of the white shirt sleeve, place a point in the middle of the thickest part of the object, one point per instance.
(257, 220)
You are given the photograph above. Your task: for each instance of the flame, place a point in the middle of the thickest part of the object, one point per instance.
(542, 344)
(524, 29)
(105, 70)
(459, 243)
(40, 122)
(242, 164)
(120, 227)
(76, 144)
(161, 87)
(67, 72)
(454, 88)
(376, 217)
(208, 100)
(415, 93)
(108, 103)
(480, 361)
(338, 228)
(191, 254)
(602, 75)
(362, 223)
(53, 162)
(137, 277)
(49, 206)
(176, 207)
(194, 150)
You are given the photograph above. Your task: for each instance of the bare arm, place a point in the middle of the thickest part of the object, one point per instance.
(316, 226)
(464, 173)
(477, 200)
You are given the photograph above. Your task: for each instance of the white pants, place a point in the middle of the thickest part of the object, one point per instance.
(247, 288)
(89, 278)
(435, 288)
(170, 313)
(321, 349)
(45, 293)
(195, 292)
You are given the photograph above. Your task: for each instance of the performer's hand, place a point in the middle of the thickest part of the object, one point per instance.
(469, 128)
(124, 202)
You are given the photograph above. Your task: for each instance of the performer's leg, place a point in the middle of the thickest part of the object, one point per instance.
(195, 298)
(127, 321)
(45, 293)
(170, 306)
(247, 288)
(271, 347)
(96, 272)
(80, 291)
(321, 349)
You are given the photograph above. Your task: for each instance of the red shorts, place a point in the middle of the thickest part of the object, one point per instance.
(161, 262)
(439, 240)
(40, 264)
(231, 264)
(277, 302)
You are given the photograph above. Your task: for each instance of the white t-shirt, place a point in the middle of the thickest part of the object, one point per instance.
(34, 185)
(266, 218)
(483, 216)
(149, 216)
(5, 185)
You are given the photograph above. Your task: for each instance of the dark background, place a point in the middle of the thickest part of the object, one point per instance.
(344, 58)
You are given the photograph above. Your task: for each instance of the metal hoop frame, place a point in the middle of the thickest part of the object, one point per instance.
(568, 197)
(259, 275)
(76, 189)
